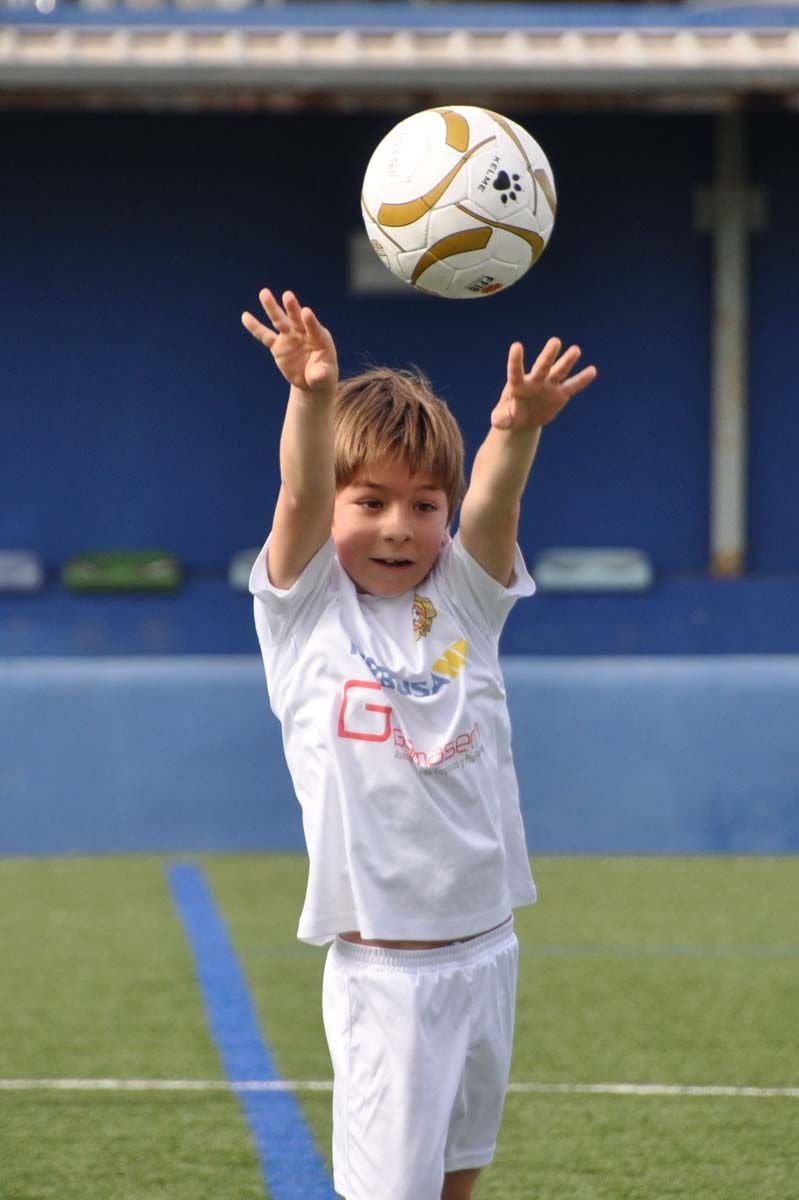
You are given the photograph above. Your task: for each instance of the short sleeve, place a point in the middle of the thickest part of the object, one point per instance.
(284, 613)
(472, 589)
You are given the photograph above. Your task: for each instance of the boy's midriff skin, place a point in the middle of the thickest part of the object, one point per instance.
(354, 936)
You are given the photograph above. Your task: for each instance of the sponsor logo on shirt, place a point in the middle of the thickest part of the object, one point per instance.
(352, 719)
(465, 747)
(362, 719)
(423, 616)
(452, 660)
(446, 668)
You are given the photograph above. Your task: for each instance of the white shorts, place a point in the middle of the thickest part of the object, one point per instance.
(421, 1045)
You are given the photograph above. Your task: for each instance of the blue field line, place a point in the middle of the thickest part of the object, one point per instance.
(291, 1165)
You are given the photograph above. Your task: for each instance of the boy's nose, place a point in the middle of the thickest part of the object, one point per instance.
(396, 526)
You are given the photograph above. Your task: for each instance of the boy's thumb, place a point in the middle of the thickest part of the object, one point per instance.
(502, 417)
(317, 373)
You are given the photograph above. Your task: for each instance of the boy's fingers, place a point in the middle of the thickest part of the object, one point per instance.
(543, 364)
(258, 331)
(561, 368)
(293, 311)
(273, 309)
(516, 365)
(318, 336)
(579, 382)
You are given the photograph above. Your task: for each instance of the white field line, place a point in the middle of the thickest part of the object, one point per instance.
(325, 1085)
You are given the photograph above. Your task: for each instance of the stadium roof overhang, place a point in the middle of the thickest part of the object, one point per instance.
(356, 56)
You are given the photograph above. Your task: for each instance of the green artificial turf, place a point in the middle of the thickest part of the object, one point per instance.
(668, 971)
(173, 1146)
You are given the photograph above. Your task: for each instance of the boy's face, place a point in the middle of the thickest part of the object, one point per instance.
(389, 527)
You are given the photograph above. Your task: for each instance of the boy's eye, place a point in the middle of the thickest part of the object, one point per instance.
(374, 504)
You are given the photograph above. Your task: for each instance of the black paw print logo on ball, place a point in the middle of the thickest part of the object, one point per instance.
(508, 185)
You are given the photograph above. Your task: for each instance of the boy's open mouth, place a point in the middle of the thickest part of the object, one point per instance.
(393, 562)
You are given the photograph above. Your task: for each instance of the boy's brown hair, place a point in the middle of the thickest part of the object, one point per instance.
(388, 414)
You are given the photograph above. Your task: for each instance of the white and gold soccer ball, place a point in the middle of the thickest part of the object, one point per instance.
(458, 201)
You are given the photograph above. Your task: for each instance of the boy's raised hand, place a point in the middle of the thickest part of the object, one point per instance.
(534, 398)
(302, 348)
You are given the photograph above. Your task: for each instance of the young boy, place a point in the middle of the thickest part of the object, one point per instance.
(379, 634)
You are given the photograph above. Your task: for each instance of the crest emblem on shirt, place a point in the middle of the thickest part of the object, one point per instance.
(423, 616)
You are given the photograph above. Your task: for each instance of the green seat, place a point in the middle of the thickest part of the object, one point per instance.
(123, 571)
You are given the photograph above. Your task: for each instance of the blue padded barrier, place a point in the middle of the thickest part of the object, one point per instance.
(658, 755)
(140, 754)
(614, 755)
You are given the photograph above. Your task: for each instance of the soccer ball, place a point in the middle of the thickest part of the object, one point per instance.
(458, 201)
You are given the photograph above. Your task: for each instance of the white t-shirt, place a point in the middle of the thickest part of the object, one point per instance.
(397, 737)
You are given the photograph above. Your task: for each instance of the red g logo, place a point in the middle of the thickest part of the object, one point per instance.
(356, 714)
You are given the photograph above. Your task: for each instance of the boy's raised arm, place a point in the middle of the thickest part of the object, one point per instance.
(490, 511)
(306, 356)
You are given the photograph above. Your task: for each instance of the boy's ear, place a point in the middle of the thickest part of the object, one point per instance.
(445, 537)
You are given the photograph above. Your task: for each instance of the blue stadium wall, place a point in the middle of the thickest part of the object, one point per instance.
(136, 411)
(145, 413)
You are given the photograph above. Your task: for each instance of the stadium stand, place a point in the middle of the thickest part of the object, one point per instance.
(184, 145)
